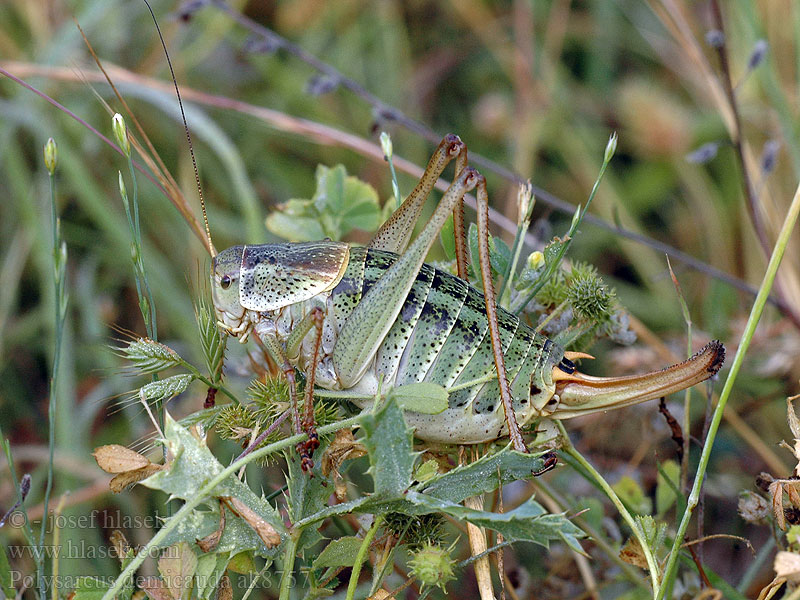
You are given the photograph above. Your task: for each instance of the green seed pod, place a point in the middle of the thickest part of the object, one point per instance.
(415, 531)
(432, 565)
(591, 299)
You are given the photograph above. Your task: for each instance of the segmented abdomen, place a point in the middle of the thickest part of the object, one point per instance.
(440, 336)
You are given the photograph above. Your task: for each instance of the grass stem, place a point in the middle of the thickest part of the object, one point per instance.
(736, 365)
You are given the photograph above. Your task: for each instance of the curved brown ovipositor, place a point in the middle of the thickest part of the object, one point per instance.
(583, 394)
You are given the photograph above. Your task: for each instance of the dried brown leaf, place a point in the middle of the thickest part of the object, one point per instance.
(155, 588)
(123, 480)
(343, 447)
(211, 541)
(224, 589)
(787, 564)
(265, 531)
(632, 554)
(776, 491)
(119, 459)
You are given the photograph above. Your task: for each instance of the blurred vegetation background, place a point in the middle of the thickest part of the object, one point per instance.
(536, 87)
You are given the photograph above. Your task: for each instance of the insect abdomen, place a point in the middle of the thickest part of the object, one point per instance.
(440, 335)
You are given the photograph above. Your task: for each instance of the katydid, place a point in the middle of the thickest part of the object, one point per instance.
(356, 318)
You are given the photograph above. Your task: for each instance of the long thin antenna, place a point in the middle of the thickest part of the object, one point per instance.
(186, 128)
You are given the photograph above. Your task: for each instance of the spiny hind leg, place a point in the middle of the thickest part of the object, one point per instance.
(514, 432)
(306, 448)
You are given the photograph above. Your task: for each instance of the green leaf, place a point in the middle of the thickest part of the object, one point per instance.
(339, 553)
(633, 496)
(210, 569)
(484, 475)
(352, 202)
(89, 588)
(447, 238)
(307, 494)
(669, 476)
(423, 397)
(295, 229)
(193, 465)
(6, 583)
(529, 522)
(389, 444)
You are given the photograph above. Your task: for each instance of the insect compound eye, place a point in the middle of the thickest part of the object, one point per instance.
(225, 282)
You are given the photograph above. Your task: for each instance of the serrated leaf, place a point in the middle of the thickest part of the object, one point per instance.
(165, 389)
(177, 566)
(484, 475)
(389, 445)
(422, 397)
(192, 466)
(529, 522)
(339, 553)
(89, 588)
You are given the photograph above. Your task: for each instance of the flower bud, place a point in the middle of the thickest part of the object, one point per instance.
(386, 145)
(535, 260)
(121, 134)
(122, 190)
(51, 155)
(611, 147)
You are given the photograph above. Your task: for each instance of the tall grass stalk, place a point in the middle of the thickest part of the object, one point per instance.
(59, 251)
(146, 304)
(744, 343)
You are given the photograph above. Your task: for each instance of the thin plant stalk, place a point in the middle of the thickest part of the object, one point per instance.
(652, 563)
(204, 493)
(289, 555)
(736, 365)
(60, 309)
(687, 402)
(388, 152)
(577, 218)
(361, 556)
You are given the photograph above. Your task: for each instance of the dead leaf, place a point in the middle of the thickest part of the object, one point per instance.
(123, 480)
(154, 588)
(343, 447)
(211, 541)
(177, 566)
(120, 543)
(632, 554)
(119, 459)
(265, 531)
(787, 564)
(224, 589)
